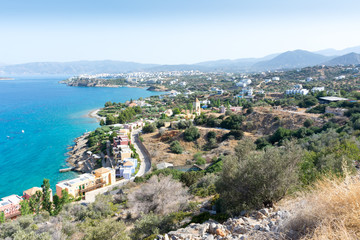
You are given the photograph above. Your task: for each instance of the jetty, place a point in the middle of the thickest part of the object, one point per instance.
(66, 169)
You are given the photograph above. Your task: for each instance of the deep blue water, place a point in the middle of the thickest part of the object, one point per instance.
(52, 115)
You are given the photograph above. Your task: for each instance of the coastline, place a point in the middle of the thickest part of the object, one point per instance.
(93, 114)
(77, 154)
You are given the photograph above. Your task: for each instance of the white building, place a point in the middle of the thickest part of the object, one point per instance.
(276, 78)
(298, 89)
(317, 89)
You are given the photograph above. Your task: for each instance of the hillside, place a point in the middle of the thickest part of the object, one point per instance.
(292, 59)
(348, 59)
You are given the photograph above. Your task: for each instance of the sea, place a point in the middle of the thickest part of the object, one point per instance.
(39, 120)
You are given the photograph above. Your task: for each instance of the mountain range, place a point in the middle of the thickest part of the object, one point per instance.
(279, 61)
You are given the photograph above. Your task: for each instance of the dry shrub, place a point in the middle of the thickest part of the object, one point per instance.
(159, 195)
(330, 211)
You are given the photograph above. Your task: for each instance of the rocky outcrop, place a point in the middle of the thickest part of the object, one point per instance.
(262, 224)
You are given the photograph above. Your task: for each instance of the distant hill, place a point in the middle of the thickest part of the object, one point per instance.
(292, 59)
(286, 60)
(348, 59)
(73, 68)
(334, 52)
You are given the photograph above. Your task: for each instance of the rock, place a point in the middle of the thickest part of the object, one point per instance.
(264, 211)
(166, 237)
(243, 213)
(257, 227)
(212, 228)
(220, 232)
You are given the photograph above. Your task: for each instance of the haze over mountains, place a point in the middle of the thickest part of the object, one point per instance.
(286, 60)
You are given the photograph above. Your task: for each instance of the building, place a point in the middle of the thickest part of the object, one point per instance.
(168, 112)
(127, 168)
(335, 111)
(298, 89)
(86, 182)
(27, 194)
(125, 153)
(325, 100)
(317, 89)
(121, 140)
(197, 107)
(276, 78)
(10, 205)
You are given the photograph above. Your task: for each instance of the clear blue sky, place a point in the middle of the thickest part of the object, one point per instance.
(171, 31)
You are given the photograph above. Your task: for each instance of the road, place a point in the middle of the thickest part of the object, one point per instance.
(144, 168)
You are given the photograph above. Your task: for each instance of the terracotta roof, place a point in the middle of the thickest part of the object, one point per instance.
(128, 164)
(32, 191)
(102, 170)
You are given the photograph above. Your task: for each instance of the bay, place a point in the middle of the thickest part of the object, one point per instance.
(39, 119)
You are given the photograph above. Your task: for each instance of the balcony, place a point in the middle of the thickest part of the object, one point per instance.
(13, 215)
(98, 184)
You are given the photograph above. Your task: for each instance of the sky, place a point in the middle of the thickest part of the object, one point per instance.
(171, 31)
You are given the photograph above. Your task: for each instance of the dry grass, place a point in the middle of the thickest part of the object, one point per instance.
(330, 211)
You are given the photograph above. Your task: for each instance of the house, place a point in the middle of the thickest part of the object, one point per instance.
(121, 140)
(87, 182)
(27, 194)
(317, 89)
(298, 89)
(276, 78)
(10, 205)
(220, 92)
(125, 153)
(168, 112)
(127, 168)
(335, 111)
(236, 109)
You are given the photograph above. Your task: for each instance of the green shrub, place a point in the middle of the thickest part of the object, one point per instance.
(191, 134)
(175, 147)
(254, 179)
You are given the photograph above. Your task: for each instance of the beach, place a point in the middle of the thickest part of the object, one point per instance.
(93, 114)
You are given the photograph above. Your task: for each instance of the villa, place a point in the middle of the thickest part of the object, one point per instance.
(10, 205)
(127, 168)
(87, 182)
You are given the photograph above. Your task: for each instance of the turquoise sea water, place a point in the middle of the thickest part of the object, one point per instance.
(52, 115)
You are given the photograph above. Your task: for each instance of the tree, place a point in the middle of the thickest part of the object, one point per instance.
(191, 134)
(175, 147)
(149, 128)
(102, 122)
(160, 195)
(254, 179)
(198, 158)
(25, 207)
(35, 202)
(176, 111)
(110, 120)
(2, 217)
(308, 123)
(46, 202)
(108, 104)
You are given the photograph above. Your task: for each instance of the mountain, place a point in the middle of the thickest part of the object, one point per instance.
(348, 59)
(291, 59)
(334, 52)
(241, 64)
(73, 68)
